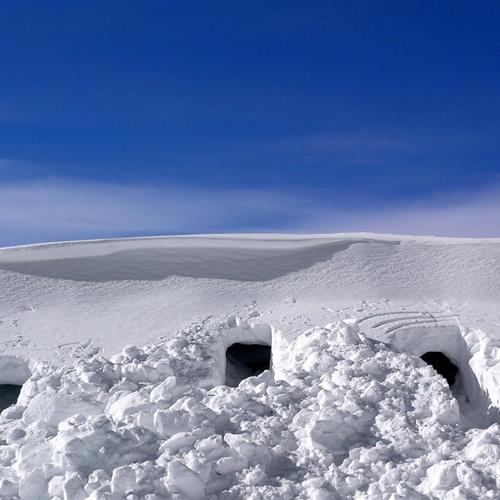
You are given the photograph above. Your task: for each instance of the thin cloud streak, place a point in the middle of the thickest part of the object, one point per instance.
(349, 148)
(63, 209)
(460, 214)
(50, 210)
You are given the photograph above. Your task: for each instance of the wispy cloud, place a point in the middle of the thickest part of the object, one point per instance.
(65, 209)
(68, 209)
(349, 148)
(461, 213)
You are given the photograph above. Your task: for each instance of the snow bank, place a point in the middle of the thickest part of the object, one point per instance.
(339, 416)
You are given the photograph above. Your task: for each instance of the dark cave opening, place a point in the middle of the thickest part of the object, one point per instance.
(246, 360)
(443, 365)
(8, 395)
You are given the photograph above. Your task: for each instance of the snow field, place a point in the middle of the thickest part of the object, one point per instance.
(339, 416)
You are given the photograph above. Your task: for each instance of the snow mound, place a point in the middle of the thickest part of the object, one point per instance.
(337, 416)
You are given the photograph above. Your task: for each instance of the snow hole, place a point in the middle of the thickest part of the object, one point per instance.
(246, 352)
(449, 350)
(8, 395)
(14, 371)
(442, 364)
(246, 360)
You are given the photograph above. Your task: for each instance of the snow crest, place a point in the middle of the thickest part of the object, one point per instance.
(338, 416)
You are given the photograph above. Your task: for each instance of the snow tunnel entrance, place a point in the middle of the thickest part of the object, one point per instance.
(14, 371)
(443, 365)
(246, 360)
(8, 395)
(445, 348)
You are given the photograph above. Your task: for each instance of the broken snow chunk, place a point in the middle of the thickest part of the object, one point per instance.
(53, 407)
(180, 440)
(256, 476)
(345, 333)
(106, 495)
(229, 465)
(145, 418)
(132, 352)
(72, 453)
(222, 398)
(317, 489)
(56, 486)
(8, 489)
(34, 485)
(334, 435)
(169, 390)
(15, 434)
(33, 454)
(140, 372)
(441, 476)
(123, 480)
(163, 367)
(170, 422)
(484, 447)
(7, 454)
(212, 446)
(98, 480)
(185, 439)
(90, 377)
(181, 479)
(13, 412)
(73, 487)
(243, 445)
(444, 408)
(128, 405)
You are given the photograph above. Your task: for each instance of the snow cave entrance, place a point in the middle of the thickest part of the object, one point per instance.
(14, 371)
(443, 365)
(8, 395)
(246, 360)
(445, 349)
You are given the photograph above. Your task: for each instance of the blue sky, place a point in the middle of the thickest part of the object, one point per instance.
(131, 118)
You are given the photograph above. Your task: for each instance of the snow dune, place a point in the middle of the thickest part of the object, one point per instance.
(146, 260)
(442, 265)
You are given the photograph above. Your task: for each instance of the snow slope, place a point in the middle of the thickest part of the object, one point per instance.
(348, 411)
(110, 293)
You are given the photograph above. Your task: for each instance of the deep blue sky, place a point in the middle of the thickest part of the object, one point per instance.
(347, 107)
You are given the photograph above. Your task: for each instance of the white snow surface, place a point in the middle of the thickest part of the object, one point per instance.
(348, 410)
